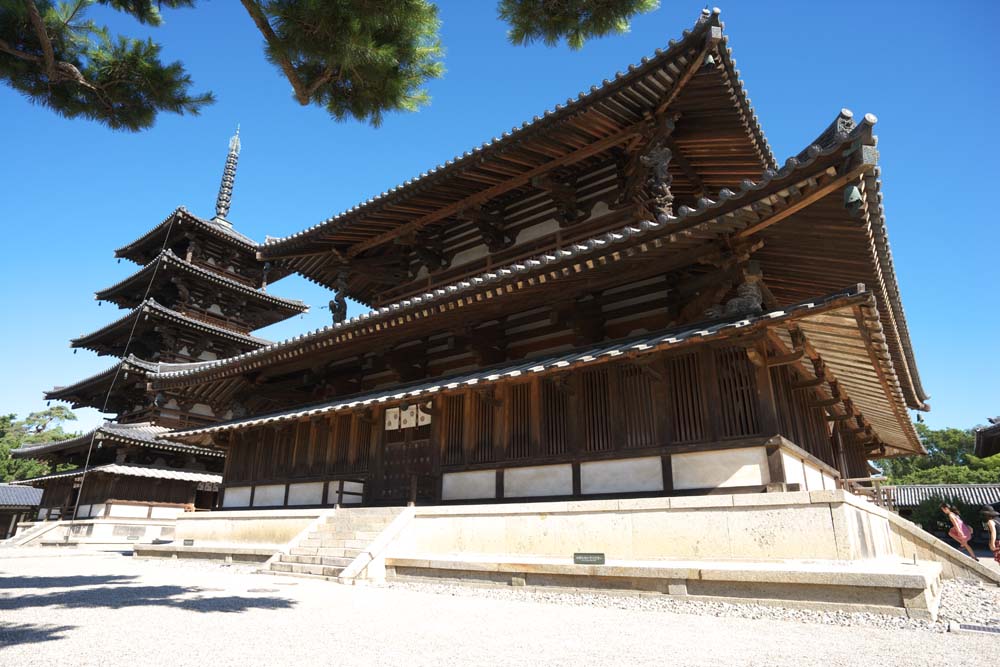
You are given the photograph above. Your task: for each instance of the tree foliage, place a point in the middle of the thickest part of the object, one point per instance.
(36, 428)
(58, 58)
(928, 514)
(576, 21)
(945, 447)
(356, 58)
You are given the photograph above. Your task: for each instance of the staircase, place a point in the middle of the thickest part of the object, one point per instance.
(334, 544)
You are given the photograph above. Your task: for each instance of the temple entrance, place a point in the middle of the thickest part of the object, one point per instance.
(406, 472)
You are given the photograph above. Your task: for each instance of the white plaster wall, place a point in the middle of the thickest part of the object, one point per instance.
(134, 511)
(794, 473)
(814, 478)
(554, 480)
(351, 500)
(829, 482)
(166, 512)
(269, 495)
(725, 468)
(543, 228)
(353, 487)
(308, 493)
(84, 511)
(622, 476)
(236, 496)
(469, 485)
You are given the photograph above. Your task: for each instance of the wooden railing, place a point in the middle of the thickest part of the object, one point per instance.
(872, 489)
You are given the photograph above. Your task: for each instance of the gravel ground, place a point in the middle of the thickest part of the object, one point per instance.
(92, 609)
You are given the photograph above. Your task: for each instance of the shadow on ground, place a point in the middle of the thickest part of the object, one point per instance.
(7, 583)
(116, 592)
(29, 633)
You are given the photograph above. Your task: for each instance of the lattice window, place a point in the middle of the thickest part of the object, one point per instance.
(555, 430)
(685, 397)
(635, 391)
(483, 416)
(362, 444)
(451, 430)
(594, 410)
(519, 420)
(737, 393)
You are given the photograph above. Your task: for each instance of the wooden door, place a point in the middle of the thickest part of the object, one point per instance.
(406, 471)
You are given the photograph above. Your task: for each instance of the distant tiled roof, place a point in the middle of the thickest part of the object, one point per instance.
(218, 229)
(151, 306)
(19, 496)
(135, 471)
(168, 257)
(911, 495)
(142, 434)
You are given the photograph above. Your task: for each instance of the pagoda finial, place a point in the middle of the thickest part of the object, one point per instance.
(225, 197)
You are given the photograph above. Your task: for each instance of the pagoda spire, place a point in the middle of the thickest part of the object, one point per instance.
(225, 198)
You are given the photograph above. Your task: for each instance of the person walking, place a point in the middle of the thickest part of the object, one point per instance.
(959, 532)
(991, 522)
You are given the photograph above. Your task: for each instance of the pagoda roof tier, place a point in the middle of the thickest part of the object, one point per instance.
(180, 222)
(132, 470)
(129, 376)
(112, 339)
(261, 307)
(694, 80)
(852, 359)
(782, 204)
(142, 434)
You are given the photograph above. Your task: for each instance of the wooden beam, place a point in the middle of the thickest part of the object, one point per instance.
(500, 188)
(807, 200)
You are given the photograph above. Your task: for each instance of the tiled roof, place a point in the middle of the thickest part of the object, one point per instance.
(142, 434)
(134, 471)
(911, 495)
(151, 306)
(130, 364)
(19, 496)
(168, 257)
(896, 435)
(843, 131)
(218, 229)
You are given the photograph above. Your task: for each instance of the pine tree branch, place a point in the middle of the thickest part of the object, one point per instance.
(259, 18)
(324, 79)
(30, 57)
(38, 25)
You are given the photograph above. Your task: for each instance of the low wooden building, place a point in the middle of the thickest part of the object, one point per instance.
(988, 439)
(17, 504)
(624, 296)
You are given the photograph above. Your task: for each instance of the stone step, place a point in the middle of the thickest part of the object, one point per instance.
(346, 535)
(353, 525)
(309, 542)
(304, 551)
(305, 568)
(307, 560)
(334, 551)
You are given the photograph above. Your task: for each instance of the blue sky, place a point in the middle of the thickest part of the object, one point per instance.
(73, 191)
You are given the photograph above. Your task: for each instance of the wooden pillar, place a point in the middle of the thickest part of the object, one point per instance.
(766, 406)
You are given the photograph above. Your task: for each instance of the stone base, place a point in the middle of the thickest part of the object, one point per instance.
(902, 589)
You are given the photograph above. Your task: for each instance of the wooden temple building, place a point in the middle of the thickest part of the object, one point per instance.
(625, 296)
(198, 295)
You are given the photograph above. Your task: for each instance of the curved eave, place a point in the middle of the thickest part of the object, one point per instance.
(152, 308)
(707, 214)
(637, 76)
(181, 216)
(82, 391)
(137, 435)
(121, 291)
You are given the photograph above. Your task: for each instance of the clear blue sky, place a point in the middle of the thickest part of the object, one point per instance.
(73, 191)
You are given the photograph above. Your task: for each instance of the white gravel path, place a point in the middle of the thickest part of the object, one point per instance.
(113, 610)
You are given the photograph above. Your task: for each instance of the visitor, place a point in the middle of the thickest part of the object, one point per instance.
(992, 524)
(959, 532)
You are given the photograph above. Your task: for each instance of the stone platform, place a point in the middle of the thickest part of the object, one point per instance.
(895, 588)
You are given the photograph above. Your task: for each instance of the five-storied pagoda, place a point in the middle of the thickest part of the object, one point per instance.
(198, 295)
(626, 296)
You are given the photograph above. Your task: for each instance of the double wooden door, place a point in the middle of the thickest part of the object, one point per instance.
(407, 469)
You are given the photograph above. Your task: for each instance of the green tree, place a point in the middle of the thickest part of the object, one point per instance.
(945, 447)
(928, 514)
(36, 428)
(356, 58)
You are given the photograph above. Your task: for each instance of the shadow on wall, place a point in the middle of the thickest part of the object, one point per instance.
(12, 634)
